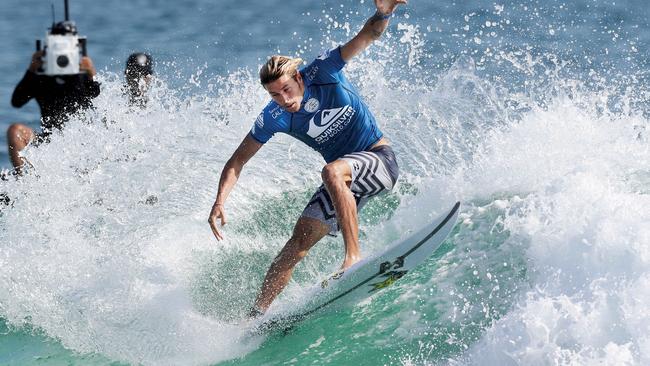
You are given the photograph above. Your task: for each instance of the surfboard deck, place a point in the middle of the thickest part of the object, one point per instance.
(368, 276)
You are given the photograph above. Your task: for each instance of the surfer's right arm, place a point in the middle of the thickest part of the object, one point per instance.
(229, 175)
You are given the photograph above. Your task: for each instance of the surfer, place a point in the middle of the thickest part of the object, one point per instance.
(319, 106)
(58, 96)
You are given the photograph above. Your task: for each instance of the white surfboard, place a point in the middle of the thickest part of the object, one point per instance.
(368, 276)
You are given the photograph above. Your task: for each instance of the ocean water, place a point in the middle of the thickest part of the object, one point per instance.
(534, 114)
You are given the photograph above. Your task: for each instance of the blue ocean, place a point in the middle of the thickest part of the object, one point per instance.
(534, 114)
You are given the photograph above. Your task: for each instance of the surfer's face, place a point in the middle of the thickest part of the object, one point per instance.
(287, 91)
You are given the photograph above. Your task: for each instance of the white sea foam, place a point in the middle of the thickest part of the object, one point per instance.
(584, 227)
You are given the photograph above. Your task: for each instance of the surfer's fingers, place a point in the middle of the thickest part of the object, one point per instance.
(223, 218)
(215, 231)
(213, 225)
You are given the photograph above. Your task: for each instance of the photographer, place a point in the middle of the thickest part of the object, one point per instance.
(58, 96)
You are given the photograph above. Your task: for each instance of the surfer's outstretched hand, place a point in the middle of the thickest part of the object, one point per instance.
(388, 6)
(216, 213)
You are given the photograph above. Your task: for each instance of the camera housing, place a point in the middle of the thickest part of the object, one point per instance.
(63, 49)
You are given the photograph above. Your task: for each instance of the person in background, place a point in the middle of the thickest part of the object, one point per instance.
(58, 96)
(138, 72)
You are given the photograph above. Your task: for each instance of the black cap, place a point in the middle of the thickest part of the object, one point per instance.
(138, 65)
(63, 28)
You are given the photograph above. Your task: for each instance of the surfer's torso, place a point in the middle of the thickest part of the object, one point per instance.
(333, 120)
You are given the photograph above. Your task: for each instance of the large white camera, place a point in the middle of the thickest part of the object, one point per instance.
(63, 48)
(61, 55)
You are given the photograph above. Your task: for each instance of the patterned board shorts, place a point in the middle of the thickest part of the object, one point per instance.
(373, 172)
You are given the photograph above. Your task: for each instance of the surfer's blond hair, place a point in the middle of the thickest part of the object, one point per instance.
(277, 66)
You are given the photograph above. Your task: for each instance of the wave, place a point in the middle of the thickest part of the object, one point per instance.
(107, 249)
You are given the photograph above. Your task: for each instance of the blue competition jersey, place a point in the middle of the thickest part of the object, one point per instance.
(332, 118)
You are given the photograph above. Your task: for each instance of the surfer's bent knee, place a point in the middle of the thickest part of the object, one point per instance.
(329, 174)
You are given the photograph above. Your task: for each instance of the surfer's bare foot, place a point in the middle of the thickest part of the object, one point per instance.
(349, 261)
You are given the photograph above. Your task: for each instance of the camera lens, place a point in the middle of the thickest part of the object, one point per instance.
(62, 61)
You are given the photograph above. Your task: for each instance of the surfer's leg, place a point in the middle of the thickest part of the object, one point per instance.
(357, 177)
(18, 136)
(307, 232)
(337, 177)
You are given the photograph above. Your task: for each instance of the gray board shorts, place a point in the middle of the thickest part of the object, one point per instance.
(373, 172)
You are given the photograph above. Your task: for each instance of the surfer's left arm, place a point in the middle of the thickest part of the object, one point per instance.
(372, 30)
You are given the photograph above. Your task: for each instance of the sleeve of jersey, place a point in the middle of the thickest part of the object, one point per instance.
(265, 127)
(25, 90)
(326, 68)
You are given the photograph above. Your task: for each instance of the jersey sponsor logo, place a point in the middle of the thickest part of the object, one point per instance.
(312, 105)
(259, 121)
(327, 124)
(310, 74)
(276, 112)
